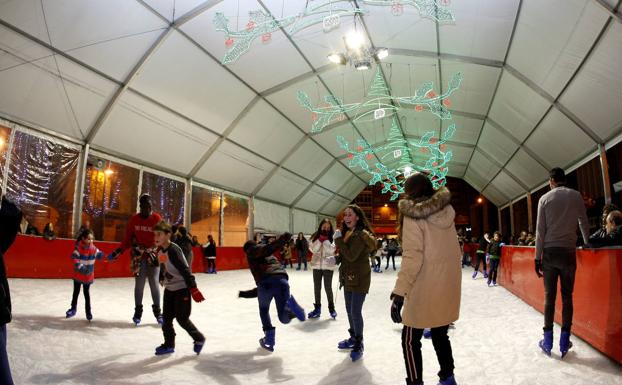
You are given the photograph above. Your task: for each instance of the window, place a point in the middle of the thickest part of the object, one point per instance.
(42, 182)
(235, 220)
(5, 136)
(109, 199)
(167, 196)
(205, 213)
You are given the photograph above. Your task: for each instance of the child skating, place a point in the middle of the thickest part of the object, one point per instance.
(179, 286)
(272, 283)
(83, 258)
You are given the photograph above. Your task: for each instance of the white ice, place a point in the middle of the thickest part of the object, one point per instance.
(494, 342)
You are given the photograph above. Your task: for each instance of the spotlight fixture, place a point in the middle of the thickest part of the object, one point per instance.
(109, 171)
(480, 200)
(357, 53)
(337, 58)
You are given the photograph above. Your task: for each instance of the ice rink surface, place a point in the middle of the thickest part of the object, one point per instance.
(494, 342)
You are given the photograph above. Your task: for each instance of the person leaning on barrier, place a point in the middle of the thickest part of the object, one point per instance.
(613, 232)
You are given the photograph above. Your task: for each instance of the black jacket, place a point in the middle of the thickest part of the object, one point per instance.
(612, 239)
(10, 219)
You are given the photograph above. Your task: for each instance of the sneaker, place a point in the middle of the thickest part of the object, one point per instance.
(474, 274)
(198, 346)
(163, 349)
(89, 315)
(427, 333)
(494, 283)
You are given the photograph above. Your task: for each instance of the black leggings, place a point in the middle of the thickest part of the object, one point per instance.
(481, 257)
(411, 347)
(327, 275)
(391, 255)
(76, 293)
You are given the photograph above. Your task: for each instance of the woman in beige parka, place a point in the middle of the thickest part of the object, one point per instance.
(428, 284)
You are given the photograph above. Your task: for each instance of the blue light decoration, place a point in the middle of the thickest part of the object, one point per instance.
(396, 147)
(380, 103)
(328, 13)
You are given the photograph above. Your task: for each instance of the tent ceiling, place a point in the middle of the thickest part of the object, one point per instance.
(143, 80)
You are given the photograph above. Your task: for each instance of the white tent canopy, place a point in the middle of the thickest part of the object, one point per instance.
(143, 81)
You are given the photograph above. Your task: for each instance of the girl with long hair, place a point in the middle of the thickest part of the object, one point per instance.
(323, 264)
(356, 247)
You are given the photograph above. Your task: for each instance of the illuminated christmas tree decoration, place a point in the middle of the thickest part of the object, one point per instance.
(328, 14)
(432, 9)
(380, 98)
(392, 178)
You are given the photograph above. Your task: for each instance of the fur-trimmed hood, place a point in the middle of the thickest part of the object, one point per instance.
(422, 209)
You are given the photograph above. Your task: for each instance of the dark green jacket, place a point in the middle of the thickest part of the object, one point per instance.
(355, 271)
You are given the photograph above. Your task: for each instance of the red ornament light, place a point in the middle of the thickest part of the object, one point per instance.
(433, 140)
(423, 149)
(350, 155)
(447, 103)
(359, 149)
(434, 164)
(442, 147)
(314, 116)
(431, 94)
(229, 42)
(266, 37)
(444, 3)
(250, 26)
(418, 107)
(369, 156)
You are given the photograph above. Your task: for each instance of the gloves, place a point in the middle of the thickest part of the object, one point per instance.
(337, 234)
(115, 254)
(248, 293)
(396, 308)
(538, 264)
(196, 295)
(82, 269)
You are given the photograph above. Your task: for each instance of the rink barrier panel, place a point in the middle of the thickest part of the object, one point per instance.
(35, 257)
(597, 296)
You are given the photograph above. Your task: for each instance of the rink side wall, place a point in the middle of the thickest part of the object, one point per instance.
(35, 257)
(597, 293)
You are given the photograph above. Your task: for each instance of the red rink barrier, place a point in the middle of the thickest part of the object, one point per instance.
(597, 293)
(35, 257)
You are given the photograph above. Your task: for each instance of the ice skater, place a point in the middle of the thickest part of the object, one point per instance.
(179, 286)
(356, 247)
(83, 258)
(144, 263)
(272, 283)
(323, 264)
(428, 284)
(494, 253)
(481, 255)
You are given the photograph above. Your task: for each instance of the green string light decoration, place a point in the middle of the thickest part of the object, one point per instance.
(381, 104)
(328, 13)
(433, 9)
(392, 177)
(263, 24)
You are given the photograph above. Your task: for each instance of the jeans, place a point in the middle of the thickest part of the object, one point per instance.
(328, 286)
(277, 287)
(5, 370)
(558, 263)
(152, 274)
(177, 304)
(354, 308)
(492, 274)
(411, 347)
(211, 264)
(76, 292)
